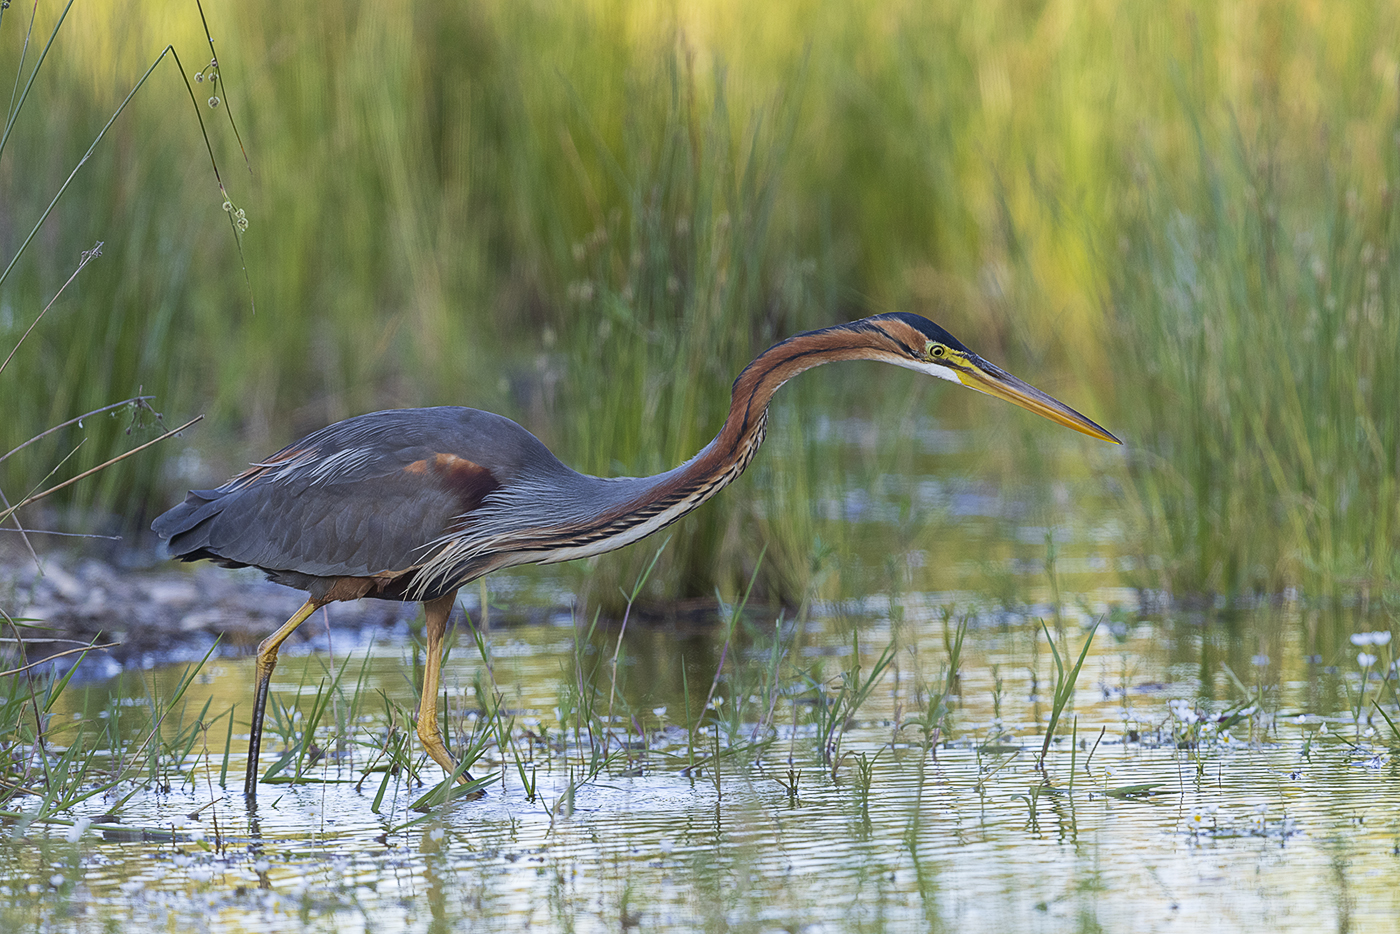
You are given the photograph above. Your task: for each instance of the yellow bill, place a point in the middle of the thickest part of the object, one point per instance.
(976, 373)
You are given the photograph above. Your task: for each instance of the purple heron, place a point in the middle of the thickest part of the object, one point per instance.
(411, 504)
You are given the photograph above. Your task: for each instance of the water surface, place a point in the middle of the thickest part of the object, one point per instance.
(1210, 773)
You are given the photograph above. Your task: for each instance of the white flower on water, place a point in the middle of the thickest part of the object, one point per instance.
(1365, 659)
(80, 826)
(1184, 711)
(1202, 815)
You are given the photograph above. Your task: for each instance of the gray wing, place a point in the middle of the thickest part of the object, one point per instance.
(371, 495)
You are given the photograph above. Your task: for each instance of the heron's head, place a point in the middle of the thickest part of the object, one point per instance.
(918, 344)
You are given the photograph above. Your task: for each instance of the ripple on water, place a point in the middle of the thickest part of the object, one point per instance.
(1192, 810)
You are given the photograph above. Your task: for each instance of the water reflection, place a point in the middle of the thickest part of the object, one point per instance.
(1218, 762)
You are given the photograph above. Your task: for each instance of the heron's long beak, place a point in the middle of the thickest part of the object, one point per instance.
(994, 381)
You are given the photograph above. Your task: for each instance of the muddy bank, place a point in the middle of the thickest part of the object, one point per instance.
(158, 612)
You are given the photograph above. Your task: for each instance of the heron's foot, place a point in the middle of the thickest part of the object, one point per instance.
(467, 787)
(433, 744)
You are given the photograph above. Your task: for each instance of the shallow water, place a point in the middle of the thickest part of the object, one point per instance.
(1211, 773)
(1285, 820)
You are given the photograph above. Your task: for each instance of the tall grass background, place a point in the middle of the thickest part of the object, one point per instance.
(1180, 218)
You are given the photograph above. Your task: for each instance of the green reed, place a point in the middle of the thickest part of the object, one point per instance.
(669, 278)
(1258, 316)
(1066, 676)
(595, 247)
(69, 362)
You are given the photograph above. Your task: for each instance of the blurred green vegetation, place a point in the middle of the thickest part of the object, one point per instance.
(1178, 217)
(1262, 318)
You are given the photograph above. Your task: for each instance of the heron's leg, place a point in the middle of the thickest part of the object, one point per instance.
(437, 612)
(267, 660)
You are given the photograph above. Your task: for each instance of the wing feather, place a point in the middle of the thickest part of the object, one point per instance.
(372, 495)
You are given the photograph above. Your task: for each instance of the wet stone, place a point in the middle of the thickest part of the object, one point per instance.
(174, 593)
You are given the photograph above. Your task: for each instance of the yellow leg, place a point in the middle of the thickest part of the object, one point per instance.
(267, 660)
(437, 612)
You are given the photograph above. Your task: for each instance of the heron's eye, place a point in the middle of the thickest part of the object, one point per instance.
(937, 350)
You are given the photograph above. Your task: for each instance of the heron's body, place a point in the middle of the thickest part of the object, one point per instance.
(424, 481)
(411, 504)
